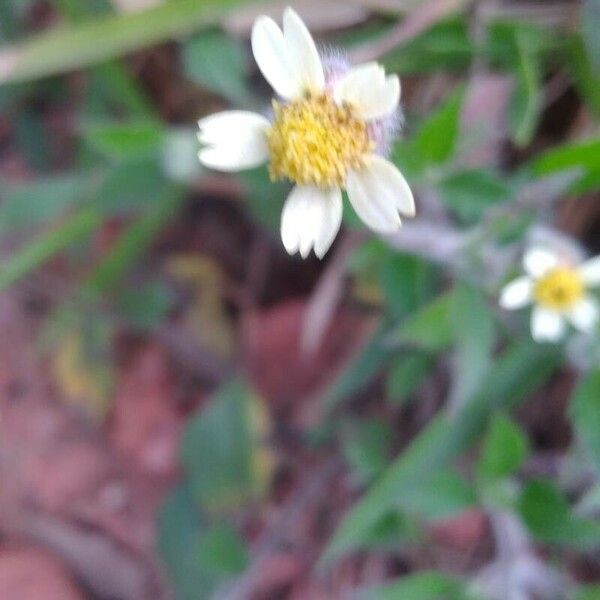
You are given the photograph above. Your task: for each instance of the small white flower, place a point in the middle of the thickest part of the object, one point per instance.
(559, 292)
(324, 136)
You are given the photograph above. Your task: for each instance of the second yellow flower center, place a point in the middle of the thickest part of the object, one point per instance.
(314, 141)
(559, 289)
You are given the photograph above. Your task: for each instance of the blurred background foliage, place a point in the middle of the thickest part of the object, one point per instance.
(442, 419)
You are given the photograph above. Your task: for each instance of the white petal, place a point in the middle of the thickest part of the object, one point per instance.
(590, 271)
(302, 51)
(546, 325)
(378, 192)
(538, 261)
(368, 89)
(288, 60)
(234, 140)
(584, 315)
(517, 294)
(270, 52)
(310, 217)
(332, 219)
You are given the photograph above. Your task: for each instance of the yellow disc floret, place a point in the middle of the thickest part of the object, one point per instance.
(314, 141)
(560, 289)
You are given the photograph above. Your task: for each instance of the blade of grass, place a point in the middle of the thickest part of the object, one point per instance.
(133, 243)
(46, 246)
(67, 48)
(517, 373)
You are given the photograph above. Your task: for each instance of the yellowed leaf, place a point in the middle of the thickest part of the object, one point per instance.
(81, 380)
(207, 316)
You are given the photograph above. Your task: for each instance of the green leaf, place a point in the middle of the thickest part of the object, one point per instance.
(503, 37)
(67, 48)
(442, 495)
(133, 243)
(427, 585)
(588, 592)
(585, 75)
(359, 371)
(444, 47)
(393, 531)
(474, 336)
(265, 198)
(431, 328)
(218, 62)
(504, 449)
(218, 451)
(520, 370)
(471, 192)
(46, 246)
(547, 515)
(222, 550)
(367, 448)
(584, 414)
(43, 200)
(525, 104)
(132, 185)
(179, 530)
(590, 25)
(407, 372)
(436, 139)
(407, 281)
(145, 306)
(583, 154)
(125, 141)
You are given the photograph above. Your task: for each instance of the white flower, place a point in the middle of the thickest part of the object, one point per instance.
(559, 292)
(323, 137)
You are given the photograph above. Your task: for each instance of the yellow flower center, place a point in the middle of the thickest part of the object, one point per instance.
(559, 289)
(315, 141)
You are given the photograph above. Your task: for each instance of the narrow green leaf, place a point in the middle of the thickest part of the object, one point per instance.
(407, 282)
(436, 139)
(46, 246)
(263, 195)
(504, 449)
(547, 514)
(444, 47)
(218, 62)
(359, 371)
(470, 193)
(590, 25)
(525, 104)
(428, 585)
(145, 306)
(474, 337)
(179, 532)
(222, 550)
(584, 413)
(43, 200)
(367, 448)
(407, 372)
(584, 73)
(520, 370)
(133, 243)
(430, 328)
(588, 592)
(442, 495)
(125, 141)
(583, 154)
(218, 450)
(67, 48)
